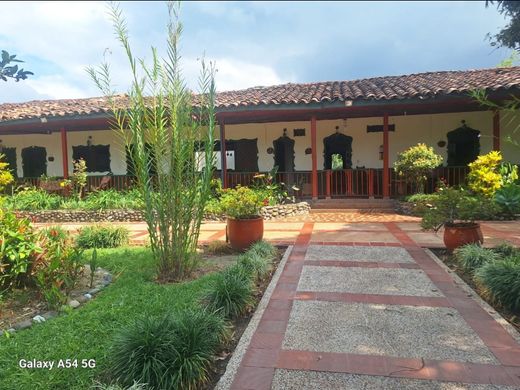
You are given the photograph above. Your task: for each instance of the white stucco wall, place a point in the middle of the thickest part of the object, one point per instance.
(365, 146)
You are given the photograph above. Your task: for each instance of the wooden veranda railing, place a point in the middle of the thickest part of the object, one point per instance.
(345, 183)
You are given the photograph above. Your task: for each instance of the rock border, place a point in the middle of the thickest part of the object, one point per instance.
(73, 303)
(129, 215)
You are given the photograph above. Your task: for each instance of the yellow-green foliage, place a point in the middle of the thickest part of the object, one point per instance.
(5, 174)
(416, 162)
(484, 176)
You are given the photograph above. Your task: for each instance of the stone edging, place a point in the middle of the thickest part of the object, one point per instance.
(74, 303)
(238, 354)
(128, 215)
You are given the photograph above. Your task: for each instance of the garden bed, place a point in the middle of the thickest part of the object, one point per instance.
(88, 333)
(449, 260)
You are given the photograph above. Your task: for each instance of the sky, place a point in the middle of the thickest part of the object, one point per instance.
(251, 43)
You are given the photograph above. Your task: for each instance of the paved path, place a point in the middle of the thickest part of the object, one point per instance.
(380, 313)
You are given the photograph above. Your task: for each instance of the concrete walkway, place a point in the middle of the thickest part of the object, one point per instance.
(377, 312)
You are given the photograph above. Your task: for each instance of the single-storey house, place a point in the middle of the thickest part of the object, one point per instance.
(329, 139)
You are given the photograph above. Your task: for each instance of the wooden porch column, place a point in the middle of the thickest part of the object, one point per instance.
(64, 153)
(314, 176)
(386, 152)
(496, 131)
(223, 160)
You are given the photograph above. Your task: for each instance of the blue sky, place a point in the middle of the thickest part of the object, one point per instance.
(252, 43)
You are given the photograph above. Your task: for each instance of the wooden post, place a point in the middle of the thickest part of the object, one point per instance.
(386, 165)
(223, 161)
(496, 131)
(328, 183)
(370, 175)
(314, 176)
(64, 153)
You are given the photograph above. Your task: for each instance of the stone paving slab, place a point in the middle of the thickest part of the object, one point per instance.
(385, 330)
(363, 226)
(358, 253)
(352, 236)
(410, 282)
(312, 380)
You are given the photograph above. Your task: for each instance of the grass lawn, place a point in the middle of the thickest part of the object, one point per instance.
(86, 333)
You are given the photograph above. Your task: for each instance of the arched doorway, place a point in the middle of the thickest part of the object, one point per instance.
(284, 154)
(337, 156)
(284, 159)
(463, 146)
(337, 144)
(34, 161)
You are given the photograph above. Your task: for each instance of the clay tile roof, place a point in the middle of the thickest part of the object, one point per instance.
(419, 85)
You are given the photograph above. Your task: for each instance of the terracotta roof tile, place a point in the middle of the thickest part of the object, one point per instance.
(420, 85)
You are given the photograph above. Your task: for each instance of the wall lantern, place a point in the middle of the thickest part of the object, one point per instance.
(89, 140)
(1, 145)
(285, 132)
(308, 151)
(381, 151)
(270, 150)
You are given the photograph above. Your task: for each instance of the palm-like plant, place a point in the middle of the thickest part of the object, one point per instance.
(163, 125)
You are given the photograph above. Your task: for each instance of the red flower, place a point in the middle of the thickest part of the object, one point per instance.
(266, 202)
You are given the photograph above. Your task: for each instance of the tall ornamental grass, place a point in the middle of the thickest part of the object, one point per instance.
(163, 125)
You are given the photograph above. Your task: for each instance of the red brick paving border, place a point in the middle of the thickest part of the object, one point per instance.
(495, 337)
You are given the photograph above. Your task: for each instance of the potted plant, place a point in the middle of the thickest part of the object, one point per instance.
(244, 224)
(457, 210)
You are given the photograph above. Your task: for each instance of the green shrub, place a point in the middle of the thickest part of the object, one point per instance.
(502, 281)
(111, 199)
(505, 250)
(415, 163)
(168, 352)
(508, 198)
(102, 237)
(241, 203)
(472, 256)
(34, 199)
(55, 233)
(213, 206)
(255, 265)
(421, 202)
(18, 248)
(57, 268)
(231, 292)
(263, 249)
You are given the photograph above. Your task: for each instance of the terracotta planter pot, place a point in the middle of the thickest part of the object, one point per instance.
(461, 234)
(244, 232)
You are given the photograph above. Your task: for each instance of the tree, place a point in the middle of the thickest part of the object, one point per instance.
(163, 125)
(509, 36)
(415, 163)
(12, 71)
